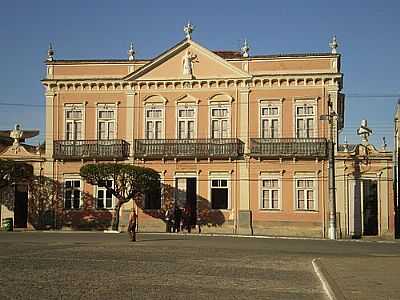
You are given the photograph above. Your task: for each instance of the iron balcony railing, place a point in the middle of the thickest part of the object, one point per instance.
(188, 148)
(91, 149)
(289, 147)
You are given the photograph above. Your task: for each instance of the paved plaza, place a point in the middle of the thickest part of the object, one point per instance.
(58, 265)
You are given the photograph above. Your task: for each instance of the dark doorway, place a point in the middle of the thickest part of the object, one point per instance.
(21, 206)
(186, 196)
(191, 199)
(370, 207)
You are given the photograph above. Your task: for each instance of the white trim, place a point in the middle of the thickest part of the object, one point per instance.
(187, 174)
(73, 177)
(106, 105)
(220, 176)
(70, 107)
(154, 105)
(306, 101)
(95, 191)
(373, 177)
(219, 105)
(306, 176)
(188, 105)
(270, 176)
(265, 103)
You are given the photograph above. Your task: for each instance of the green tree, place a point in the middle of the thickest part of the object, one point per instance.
(45, 202)
(129, 182)
(13, 171)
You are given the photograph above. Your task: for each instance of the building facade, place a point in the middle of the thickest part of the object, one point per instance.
(236, 138)
(396, 159)
(16, 201)
(364, 189)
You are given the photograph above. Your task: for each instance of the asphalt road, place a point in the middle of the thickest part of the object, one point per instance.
(39, 265)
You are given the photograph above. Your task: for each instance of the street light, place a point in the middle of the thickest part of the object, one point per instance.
(331, 167)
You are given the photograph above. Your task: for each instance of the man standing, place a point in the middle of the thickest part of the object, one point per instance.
(169, 218)
(132, 225)
(177, 218)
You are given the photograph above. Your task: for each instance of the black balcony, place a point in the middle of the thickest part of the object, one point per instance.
(91, 149)
(289, 147)
(188, 148)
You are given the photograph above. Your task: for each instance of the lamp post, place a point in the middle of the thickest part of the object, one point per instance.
(331, 167)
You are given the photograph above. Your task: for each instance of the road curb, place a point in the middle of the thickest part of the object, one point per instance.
(329, 284)
(272, 237)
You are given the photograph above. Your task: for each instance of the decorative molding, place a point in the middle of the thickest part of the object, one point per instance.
(257, 82)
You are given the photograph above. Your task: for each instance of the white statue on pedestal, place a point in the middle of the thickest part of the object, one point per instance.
(16, 134)
(187, 61)
(188, 29)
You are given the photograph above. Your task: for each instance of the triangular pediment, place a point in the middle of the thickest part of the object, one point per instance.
(18, 153)
(187, 60)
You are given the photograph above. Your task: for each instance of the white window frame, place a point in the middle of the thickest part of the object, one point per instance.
(220, 176)
(107, 107)
(306, 103)
(96, 190)
(65, 189)
(278, 178)
(68, 107)
(312, 177)
(219, 105)
(186, 106)
(185, 175)
(153, 106)
(266, 104)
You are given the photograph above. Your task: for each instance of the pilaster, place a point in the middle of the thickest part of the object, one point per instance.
(244, 218)
(49, 138)
(49, 124)
(130, 120)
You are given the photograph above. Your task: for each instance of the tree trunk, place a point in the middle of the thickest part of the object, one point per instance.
(115, 220)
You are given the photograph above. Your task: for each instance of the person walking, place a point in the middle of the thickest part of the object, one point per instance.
(169, 218)
(132, 225)
(187, 219)
(177, 219)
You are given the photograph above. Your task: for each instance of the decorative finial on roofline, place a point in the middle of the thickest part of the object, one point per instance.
(364, 131)
(50, 53)
(188, 29)
(333, 45)
(346, 144)
(384, 144)
(131, 52)
(245, 49)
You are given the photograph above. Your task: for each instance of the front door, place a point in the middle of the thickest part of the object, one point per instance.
(21, 206)
(191, 199)
(186, 196)
(370, 207)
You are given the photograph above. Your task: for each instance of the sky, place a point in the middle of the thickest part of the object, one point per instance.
(367, 33)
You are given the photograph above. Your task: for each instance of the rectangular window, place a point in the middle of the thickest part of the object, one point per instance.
(220, 122)
(105, 198)
(186, 122)
(106, 122)
(305, 194)
(270, 191)
(269, 122)
(72, 193)
(154, 123)
(73, 122)
(152, 200)
(305, 116)
(219, 194)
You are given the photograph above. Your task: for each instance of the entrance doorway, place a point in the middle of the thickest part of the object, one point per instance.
(21, 206)
(186, 196)
(370, 207)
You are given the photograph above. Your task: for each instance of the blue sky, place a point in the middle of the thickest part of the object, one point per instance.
(367, 31)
